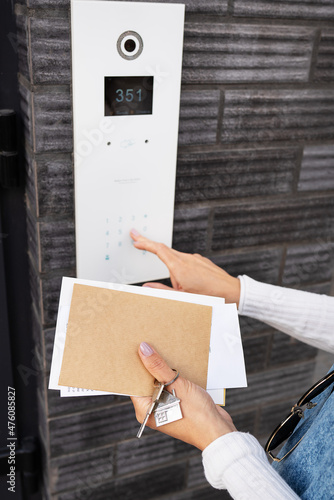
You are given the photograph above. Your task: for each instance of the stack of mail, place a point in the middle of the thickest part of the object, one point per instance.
(101, 325)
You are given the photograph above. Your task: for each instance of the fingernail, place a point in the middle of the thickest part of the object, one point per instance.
(134, 232)
(147, 285)
(146, 349)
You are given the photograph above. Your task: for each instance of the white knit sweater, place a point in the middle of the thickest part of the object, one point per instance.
(237, 461)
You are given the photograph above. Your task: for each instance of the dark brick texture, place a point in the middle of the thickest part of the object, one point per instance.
(254, 192)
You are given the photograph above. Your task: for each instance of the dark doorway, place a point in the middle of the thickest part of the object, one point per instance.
(18, 400)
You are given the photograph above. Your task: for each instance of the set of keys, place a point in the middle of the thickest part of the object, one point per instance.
(165, 406)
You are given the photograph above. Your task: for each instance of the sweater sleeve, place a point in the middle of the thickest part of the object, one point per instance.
(306, 316)
(237, 462)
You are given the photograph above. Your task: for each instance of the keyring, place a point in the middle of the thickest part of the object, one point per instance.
(171, 381)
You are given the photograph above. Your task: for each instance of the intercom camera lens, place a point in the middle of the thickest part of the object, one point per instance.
(130, 45)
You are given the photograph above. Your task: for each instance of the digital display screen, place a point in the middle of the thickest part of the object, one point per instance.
(128, 95)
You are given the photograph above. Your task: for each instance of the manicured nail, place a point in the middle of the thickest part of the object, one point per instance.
(134, 232)
(146, 349)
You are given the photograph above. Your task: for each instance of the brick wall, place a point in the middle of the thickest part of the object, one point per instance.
(254, 192)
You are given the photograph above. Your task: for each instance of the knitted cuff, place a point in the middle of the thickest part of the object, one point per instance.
(238, 463)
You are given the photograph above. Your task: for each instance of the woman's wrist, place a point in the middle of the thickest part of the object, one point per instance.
(218, 424)
(213, 434)
(231, 291)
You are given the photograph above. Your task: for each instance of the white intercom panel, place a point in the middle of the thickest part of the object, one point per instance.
(126, 68)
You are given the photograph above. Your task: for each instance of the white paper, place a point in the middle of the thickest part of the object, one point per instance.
(226, 368)
(226, 360)
(68, 392)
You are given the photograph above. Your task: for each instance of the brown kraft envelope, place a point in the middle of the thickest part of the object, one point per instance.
(106, 327)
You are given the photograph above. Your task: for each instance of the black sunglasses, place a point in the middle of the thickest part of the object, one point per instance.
(284, 430)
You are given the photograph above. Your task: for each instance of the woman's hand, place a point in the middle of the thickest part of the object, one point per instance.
(202, 421)
(191, 272)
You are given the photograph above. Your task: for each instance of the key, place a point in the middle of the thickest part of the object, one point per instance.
(168, 409)
(155, 398)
